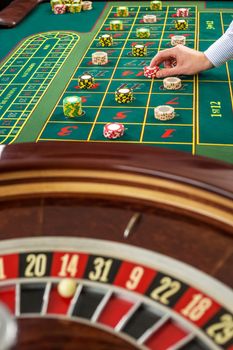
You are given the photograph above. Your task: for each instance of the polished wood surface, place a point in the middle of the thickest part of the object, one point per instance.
(16, 11)
(197, 238)
(92, 191)
(55, 334)
(214, 176)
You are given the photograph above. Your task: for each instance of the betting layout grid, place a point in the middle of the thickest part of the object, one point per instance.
(215, 88)
(26, 76)
(124, 70)
(34, 275)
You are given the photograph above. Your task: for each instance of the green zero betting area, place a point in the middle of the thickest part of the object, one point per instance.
(44, 68)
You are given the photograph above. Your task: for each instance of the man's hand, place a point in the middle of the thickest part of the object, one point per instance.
(188, 61)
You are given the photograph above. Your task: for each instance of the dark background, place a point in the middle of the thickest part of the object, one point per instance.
(4, 3)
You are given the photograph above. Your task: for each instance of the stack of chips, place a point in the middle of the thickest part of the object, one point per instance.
(122, 11)
(150, 72)
(55, 2)
(116, 25)
(172, 83)
(149, 18)
(59, 9)
(113, 130)
(86, 81)
(181, 24)
(143, 33)
(164, 113)
(106, 40)
(139, 50)
(72, 106)
(87, 5)
(74, 8)
(124, 95)
(156, 5)
(182, 12)
(100, 58)
(178, 40)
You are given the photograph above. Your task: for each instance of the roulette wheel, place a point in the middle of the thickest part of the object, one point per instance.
(146, 234)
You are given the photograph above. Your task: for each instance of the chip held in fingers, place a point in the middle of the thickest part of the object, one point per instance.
(150, 72)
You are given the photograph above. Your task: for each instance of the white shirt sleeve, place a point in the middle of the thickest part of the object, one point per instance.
(222, 50)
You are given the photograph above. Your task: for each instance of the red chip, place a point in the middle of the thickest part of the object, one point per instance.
(150, 72)
(113, 130)
(182, 12)
(59, 9)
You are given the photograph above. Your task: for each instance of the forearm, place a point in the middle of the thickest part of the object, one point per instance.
(222, 50)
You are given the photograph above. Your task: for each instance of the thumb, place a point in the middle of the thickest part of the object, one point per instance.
(167, 72)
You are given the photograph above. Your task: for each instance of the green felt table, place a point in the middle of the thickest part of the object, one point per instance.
(43, 56)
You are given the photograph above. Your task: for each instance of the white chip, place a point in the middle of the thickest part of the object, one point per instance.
(114, 127)
(143, 30)
(172, 83)
(123, 91)
(164, 112)
(100, 53)
(72, 99)
(86, 76)
(149, 18)
(178, 40)
(100, 58)
(138, 46)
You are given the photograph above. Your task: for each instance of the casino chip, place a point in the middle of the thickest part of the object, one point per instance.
(122, 11)
(113, 130)
(74, 8)
(173, 62)
(124, 95)
(99, 58)
(116, 25)
(150, 72)
(139, 50)
(156, 5)
(67, 287)
(143, 33)
(172, 83)
(72, 106)
(181, 24)
(149, 19)
(59, 9)
(55, 2)
(106, 40)
(86, 5)
(178, 40)
(164, 112)
(86, 81)
(182, 12)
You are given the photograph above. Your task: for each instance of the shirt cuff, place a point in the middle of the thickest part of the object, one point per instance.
(221, 51)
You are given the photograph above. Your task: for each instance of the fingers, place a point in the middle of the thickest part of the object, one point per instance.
(167, 72)
(162, 56)
(167, 64)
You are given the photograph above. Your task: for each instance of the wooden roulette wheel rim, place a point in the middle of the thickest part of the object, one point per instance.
(136, 198)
